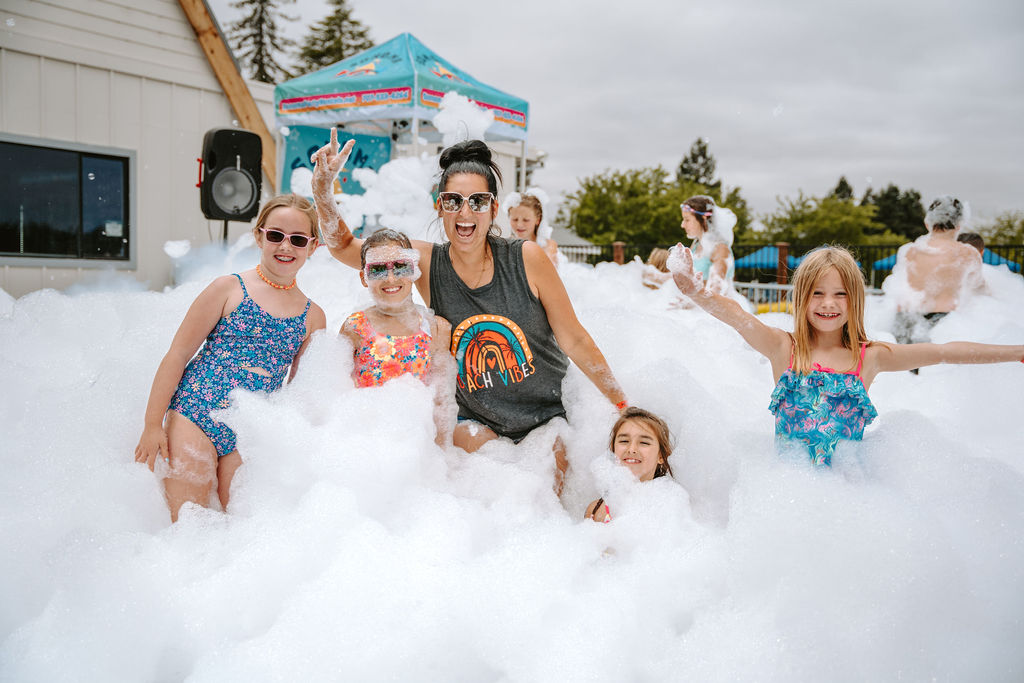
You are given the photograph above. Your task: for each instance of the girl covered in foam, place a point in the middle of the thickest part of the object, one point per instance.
(252, 327)
(395, 336)
(641, 441)
(824, 368)
(526, 216)
(711, 228)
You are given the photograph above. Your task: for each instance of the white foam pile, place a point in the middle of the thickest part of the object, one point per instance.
(355, 549)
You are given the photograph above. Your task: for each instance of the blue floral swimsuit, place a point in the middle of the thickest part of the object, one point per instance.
(820, 408)
(248, 337)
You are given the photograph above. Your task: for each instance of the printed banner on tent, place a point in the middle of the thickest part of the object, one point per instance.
(370, 152)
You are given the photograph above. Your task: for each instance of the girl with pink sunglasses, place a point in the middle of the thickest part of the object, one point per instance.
(249, 330)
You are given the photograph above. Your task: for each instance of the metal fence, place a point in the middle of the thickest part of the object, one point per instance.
(768, 297)
(876, 260)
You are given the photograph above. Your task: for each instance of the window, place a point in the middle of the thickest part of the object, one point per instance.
(63, 202)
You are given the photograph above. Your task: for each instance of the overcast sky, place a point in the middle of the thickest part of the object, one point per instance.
(792, 94)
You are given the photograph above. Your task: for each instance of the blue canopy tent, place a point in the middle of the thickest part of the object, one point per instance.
(393, 91)
(765, 257)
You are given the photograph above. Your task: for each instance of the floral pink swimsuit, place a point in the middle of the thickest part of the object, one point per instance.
(820, 408)
(380, 357)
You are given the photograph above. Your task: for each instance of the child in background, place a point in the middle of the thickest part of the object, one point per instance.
(395, 336)
(973, 239)
(816, 406)
(252, 327)
(655, 271)
(642, 442)
(526, 216)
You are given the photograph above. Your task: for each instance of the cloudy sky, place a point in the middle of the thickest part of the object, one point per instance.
(791, 94)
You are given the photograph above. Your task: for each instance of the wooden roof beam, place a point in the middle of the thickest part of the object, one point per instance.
(231, 81)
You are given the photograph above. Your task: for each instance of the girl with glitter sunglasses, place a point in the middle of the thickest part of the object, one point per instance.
(395, 336)
(252, 328)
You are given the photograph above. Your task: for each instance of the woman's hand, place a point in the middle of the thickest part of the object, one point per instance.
(153, 442)
(680, 264)
(328, 162)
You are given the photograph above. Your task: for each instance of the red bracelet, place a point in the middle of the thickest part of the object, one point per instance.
(621, 405)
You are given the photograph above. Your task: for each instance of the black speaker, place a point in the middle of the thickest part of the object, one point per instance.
(230, 174)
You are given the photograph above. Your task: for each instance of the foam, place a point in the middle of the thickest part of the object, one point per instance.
(356, 549)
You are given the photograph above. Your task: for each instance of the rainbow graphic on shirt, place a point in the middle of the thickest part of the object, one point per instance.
(491, 351)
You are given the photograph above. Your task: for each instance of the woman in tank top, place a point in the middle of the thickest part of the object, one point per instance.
(513, 325)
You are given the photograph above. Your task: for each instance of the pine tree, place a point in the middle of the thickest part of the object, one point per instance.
(900, 212)
(258, 40)
(698, 166)
(334, 38)
(843, 190)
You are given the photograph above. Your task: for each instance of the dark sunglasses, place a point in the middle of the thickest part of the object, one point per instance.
(276, 237)
(478, 201)
(379, 271)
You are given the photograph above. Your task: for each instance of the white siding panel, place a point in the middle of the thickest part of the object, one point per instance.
(53, 30)
(22, 93)
(58, 103)
(93, 106)
(126, 111)
(104, 25)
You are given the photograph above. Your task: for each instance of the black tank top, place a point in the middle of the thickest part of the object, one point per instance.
(510, 368)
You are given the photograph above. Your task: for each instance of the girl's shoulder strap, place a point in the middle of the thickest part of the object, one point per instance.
(360, 323)
(792, 350)
(245, 292)
(860, 361)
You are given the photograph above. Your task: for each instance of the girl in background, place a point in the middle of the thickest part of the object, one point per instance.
(526, 216)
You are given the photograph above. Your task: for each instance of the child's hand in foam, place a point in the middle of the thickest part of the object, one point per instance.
(680, 264)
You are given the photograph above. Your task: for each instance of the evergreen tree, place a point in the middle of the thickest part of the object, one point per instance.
(843, 190)
(898, 212)
(334, 38)
(698, 166)
(258, 40)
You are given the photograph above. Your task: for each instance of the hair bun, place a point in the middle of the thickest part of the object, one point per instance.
(470, 150)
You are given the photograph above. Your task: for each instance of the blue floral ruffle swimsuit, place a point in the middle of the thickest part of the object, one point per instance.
(248, 337)
(821, 407)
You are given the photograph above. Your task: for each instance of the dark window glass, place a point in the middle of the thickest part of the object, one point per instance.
(104, 219)
(62, 203)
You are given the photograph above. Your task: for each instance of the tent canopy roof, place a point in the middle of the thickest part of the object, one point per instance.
(381, 89)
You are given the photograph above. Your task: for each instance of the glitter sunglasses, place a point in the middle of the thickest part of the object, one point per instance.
(379, 271)
(478, 201)
(276, 237)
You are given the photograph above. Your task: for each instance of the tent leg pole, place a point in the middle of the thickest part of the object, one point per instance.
(522, 168)
(416, 137)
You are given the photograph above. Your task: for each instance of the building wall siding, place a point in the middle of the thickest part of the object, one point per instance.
(118, 76)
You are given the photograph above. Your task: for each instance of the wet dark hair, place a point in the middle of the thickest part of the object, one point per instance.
(973, 239)
(379, 238)
(471, 156)
(701, 204)
(656, 425)
(944, 213)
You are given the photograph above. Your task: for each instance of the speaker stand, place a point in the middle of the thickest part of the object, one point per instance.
(224, 235)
